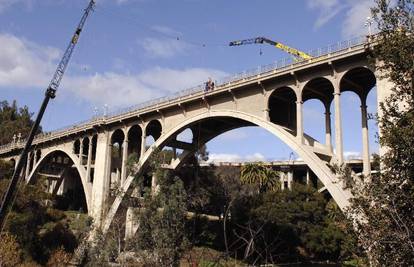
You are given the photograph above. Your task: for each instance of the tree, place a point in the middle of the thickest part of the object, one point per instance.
(10, 253)
(265, 178)
(386, 201)
(161, 235)
(14, 120)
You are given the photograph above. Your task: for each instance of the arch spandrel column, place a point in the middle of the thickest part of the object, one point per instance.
(328, 128)
(143, 140)
(338, 124)
(365, 139)
(124, 159)
(81, 152)
(89, 161)
(28, 158)
(299, 120)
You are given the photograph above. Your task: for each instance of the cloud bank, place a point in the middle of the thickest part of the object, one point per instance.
(355, 13)
(25, 65)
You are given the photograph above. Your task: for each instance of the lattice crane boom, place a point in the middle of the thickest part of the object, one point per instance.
(10, 194)
(60, 71)
(262, 40)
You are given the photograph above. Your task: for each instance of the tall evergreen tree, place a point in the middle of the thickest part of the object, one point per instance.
(387, 200)
(14, 120)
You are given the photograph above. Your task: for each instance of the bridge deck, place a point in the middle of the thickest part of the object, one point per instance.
(288, 65)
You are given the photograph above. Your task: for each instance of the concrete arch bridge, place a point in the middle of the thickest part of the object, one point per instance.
(272, 98)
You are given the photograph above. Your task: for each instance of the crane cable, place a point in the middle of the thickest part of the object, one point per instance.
(177, 37)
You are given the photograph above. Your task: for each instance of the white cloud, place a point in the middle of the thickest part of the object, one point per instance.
(327, 10)
(24, 64)
(163, 47)
(166, 30)
(354, 23)
(233, 135)
(352, 155)
(356, 12)
(4, 4)
(215, 158)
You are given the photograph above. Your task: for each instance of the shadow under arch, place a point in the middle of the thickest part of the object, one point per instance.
(319, 167)
(359, 80)
(87, 187)
(282, 107)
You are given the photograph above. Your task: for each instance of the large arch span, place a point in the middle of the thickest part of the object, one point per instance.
(318, 166)
(75, 159)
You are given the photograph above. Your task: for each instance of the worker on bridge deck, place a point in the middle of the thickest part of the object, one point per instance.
(209, 85)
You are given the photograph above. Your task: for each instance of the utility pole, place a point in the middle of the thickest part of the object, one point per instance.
(50, 93)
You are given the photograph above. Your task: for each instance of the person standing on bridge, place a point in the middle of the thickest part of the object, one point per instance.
(209, 85)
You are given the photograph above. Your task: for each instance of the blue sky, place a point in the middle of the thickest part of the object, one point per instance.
(135, 50)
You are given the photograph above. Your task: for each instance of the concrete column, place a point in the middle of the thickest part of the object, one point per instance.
(174, 153)
(28, 164)
(81, 152)
(143, 141)
(307, 176)
(88, 164)
(109, 167)
(131, 223)
(365, 141)
(124, 161)
(267, 113)
(338, 127)
(290, 179)
(100, 186)
(299, 121)
(34, 158)
(154, 184)
(117, 178)
(328, 131)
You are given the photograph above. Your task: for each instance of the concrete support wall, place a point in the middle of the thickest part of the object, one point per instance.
(100, 187)
(384, 90)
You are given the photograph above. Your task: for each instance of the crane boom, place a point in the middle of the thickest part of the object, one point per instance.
(262, 40)
(10, 194)
(60, 71)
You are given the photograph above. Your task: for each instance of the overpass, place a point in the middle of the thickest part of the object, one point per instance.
(270, 97)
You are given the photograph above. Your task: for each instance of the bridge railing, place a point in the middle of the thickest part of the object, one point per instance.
(199, 89)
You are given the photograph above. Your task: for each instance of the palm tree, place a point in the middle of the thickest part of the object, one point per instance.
(260, 175)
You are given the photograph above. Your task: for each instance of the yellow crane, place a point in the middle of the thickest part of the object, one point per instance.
(262, 40)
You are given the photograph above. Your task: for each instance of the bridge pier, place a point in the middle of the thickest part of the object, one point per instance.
(101, 183)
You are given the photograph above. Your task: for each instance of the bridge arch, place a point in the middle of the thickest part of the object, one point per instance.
(134, 137)
(319, 167)
(282, 107)
(359, 80)
(320, 89)
(154, 129)
(81, 171)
